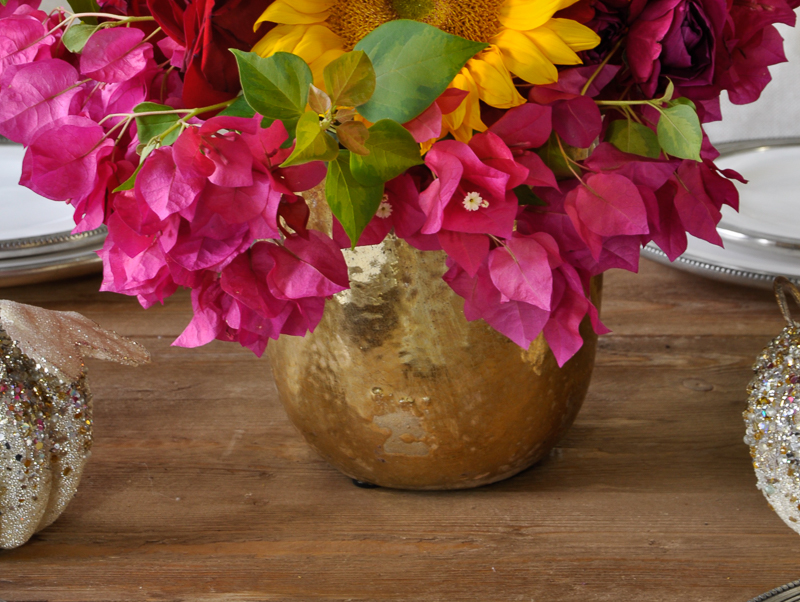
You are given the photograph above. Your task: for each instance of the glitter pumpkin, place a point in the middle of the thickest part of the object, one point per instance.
(525, 41)
(46, 411)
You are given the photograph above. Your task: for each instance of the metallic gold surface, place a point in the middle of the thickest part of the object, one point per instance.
(396, 388)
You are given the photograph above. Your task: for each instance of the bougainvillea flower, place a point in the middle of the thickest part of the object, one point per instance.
(22, 38)
(61, 162)
(525, 41)
(34, 95)
(607, 205)
(134, 265)
(115, 55)
(471, 191)
(519, 321)
(751, 44)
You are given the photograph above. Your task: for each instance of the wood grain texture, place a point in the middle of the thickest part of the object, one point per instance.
(199, 489)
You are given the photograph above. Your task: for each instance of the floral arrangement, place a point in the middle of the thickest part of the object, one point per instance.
(537, 143)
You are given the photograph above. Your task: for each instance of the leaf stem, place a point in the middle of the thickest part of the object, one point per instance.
(569, 160)
(600, 67)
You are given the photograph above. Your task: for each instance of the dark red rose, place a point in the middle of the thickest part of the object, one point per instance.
(607, 18)
(675, 39)
(208, 29)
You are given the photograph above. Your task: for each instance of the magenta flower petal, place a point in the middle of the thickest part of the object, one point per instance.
(165, 189)
(115, 55)
(36, 95)
(526, 126)
(467, 250)
(62, 160)
(312, 267)
(21, 40)
(562, 330)
(521, 271)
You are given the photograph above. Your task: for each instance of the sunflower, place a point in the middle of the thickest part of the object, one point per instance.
(524, 41)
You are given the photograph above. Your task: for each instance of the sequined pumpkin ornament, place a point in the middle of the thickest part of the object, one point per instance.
(46, 411)
(772, 417)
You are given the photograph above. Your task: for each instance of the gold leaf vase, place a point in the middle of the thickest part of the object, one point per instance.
(397, 389)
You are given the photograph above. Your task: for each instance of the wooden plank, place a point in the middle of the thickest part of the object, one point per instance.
(200, 489)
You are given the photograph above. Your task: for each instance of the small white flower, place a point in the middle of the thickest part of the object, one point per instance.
(474, 201)
(384, 209)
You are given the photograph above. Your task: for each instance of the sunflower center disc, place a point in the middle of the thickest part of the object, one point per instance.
(475, 20)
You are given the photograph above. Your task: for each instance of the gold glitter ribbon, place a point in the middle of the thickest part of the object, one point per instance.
(781, 286)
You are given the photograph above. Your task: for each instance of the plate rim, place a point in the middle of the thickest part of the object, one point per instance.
(716, 271)
(744, 235)
(779, 590)
(49, 243)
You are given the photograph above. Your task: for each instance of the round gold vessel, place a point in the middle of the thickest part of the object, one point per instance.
(397, 389)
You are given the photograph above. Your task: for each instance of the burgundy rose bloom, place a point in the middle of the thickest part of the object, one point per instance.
(607, 18)
(676, 39)
(208, 29)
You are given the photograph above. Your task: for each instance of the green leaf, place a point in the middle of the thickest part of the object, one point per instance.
(318, 100)
(631, 137)
(551, 154)
(239, 108)
(682, 101)
(679, 132)
(525, 196)
(414, 63)
(392, 150)
(276, 86)
(667, 96)
(353, 204)
(130, 182)
(150, 126)
(352, 135)
(77, 35)
(350, 79)
(85, 6)
(313, 143)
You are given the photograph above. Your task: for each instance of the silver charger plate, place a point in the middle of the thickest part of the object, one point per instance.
(786, 593)
(762, 240)
(36, 242)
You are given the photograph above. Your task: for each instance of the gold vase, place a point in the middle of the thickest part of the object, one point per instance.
(397, 389)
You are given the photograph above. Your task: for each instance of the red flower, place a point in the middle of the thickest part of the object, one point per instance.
(208, 29)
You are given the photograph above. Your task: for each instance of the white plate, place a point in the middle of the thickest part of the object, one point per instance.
(24, 213)
(36, 242)
(763, 240)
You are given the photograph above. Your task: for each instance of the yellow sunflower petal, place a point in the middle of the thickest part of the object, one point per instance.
(577, 36)
(309, 42)
(552, 46)
(298, 12)
(318, 65)
(528, 14)
(279, 39)
(493, 80)
(524, 59)
(317, 41)
(467, 117)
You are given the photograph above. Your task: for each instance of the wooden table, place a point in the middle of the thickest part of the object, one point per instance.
(200, 489)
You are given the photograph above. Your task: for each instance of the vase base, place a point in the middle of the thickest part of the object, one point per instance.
(365, 484)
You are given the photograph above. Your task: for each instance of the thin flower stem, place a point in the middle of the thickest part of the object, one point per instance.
(165, 81)
(90, 94)
(569, 161)
(156, 31)
(188, 112)
(110, 16)
(600, 67)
